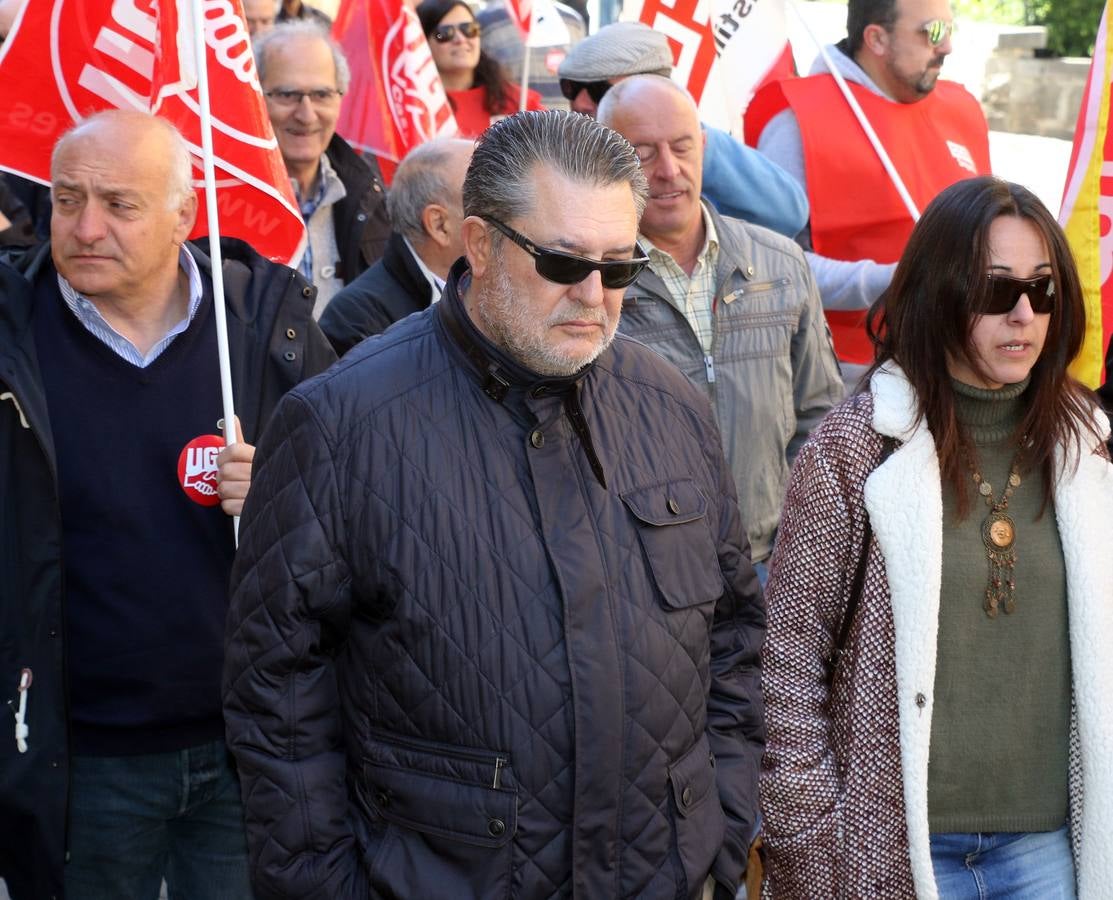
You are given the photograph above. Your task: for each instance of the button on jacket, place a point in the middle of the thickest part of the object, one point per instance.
(493, 635)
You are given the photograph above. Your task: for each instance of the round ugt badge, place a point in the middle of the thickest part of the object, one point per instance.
(197, 469)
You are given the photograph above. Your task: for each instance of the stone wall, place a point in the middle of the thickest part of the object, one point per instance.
(1028, 94)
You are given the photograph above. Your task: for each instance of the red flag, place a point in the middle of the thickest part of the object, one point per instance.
(395, 100)
(521, 14)
(67, 59)
(687, 24)
(724, 50)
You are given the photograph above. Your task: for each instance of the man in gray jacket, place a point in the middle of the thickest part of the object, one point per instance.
(734, 306)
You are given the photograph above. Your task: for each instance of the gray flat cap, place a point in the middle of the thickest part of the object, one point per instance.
(622, 48)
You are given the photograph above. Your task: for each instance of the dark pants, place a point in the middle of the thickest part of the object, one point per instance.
(135, 820)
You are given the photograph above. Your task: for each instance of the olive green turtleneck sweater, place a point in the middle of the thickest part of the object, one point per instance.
(1001, 720)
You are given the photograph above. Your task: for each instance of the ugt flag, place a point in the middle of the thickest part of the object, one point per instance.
(395, 99)
(1087, 211)
(723, 50)
(67, 59)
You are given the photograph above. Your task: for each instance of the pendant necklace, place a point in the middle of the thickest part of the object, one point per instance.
(999, 537)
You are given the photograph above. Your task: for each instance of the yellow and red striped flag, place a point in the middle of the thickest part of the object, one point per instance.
(1087, 210)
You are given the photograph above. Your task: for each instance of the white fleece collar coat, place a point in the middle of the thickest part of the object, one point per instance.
(833, 797)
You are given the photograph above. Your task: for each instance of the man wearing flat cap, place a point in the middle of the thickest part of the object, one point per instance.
(739, 181)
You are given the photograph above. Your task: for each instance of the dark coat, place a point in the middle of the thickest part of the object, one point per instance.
(274, 344)
(390, 290)
(360, 219)
(458, 665)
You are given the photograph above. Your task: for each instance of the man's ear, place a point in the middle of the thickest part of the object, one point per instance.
(875, 39)
(436, 223)
(187, 215)
(477, 245)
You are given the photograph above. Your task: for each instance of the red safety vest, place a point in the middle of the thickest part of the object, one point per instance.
(856, 212)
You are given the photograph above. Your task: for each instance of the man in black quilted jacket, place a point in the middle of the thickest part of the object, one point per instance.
(495, 630)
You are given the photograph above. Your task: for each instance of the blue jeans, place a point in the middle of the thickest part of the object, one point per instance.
(1027, 866)
(135, 820)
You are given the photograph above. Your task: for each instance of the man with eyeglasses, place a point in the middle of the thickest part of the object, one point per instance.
(495, 631)
(303, 74)
(732, 305)
(933, 130)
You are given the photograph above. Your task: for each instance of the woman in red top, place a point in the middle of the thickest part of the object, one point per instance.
(476, 84)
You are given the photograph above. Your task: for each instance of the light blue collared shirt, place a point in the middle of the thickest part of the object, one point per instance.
(89, 316)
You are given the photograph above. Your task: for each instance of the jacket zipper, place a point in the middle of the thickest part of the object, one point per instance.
(478, 756)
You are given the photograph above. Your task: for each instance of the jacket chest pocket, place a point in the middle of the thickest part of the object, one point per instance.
(676, 541)
(447, 818)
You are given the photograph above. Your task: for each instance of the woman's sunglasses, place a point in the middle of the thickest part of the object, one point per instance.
(566, 268)
(595, 89)
(444, 33)
(1005, 291)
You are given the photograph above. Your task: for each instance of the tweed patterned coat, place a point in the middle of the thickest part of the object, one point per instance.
(844, 781)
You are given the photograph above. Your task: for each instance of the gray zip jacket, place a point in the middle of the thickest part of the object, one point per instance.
(772, 373)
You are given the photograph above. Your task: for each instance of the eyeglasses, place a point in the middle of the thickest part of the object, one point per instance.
(1005, 291)
(595, 89)
(317, 96)
(444, 33)
(566, 268)
(937, 31)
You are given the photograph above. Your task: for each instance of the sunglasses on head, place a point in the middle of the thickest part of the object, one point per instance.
(595, 89)
(1005, 291)
(444, 33)
(567, 268)
(937, 31)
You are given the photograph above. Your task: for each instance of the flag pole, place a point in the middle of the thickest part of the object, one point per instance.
(525, 76)
(860, 115)
(211, 212)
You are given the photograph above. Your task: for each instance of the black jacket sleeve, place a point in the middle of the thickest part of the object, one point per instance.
(289, 612)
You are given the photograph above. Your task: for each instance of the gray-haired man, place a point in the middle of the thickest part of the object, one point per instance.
(304, 75)
(426, 203)
(495, 631)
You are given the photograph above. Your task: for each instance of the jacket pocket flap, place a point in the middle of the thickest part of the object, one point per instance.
(677, 540)
(475, 814)
(693, 777)
(669, 503)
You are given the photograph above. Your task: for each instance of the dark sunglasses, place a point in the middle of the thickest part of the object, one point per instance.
(444, 33)
(1005, 291)
(566, 268)
(595, 89)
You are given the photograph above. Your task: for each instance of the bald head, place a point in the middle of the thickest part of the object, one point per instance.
(163, 140)
(645, 89)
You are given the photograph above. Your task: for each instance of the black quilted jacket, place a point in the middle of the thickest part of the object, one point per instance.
(458, 666)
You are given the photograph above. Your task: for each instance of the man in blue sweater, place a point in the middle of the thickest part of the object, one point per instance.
(116, 522)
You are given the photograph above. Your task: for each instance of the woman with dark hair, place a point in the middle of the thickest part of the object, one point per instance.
(476, 85)
(940, 602)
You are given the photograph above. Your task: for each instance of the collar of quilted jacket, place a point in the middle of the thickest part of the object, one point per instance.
(499, 374)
